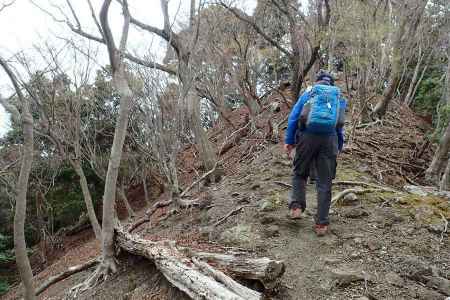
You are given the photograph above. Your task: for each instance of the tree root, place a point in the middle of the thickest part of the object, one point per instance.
(103, 271)
(234, 211)
(61, 276)
(342, 194)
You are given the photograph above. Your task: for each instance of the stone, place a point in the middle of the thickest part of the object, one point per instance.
(355, 213)
(423, 214)
(271, 231)
(440, 284)
(394, 279)
(238, 235)
(235, 194)
(255, 186)
(427, 294)
(417, 268)
(350, 199)
(266, 205)
(416, 190)
(344, 276)
(373, 245)
(436, 228)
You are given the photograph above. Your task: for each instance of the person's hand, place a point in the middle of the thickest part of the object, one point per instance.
(288, 149)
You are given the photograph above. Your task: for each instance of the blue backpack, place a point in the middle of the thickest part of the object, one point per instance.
(321, 113)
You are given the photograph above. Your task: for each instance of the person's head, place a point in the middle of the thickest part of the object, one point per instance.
(324, 77)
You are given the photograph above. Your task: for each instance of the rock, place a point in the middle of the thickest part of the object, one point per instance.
(373, 245)
(355, 213)
(358, 240)
(394, 279)
(436, 228)
(416, 268)
(271, 231)
(282, 162)
(355, 255)
(240, 234)
(350, 199)
(362, 298)
(266, 205)
(235, 194)
(416, 190)
(423, 214)
(427, 294)
(440, 284)
(255, 186)
(345, 276)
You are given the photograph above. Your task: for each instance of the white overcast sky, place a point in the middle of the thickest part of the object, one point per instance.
(25, 26)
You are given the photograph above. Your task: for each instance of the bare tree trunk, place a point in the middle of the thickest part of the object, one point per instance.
(205, 148)
(440, 157)
(412, 84)
(87, 199)
(144, 184)
(409, 23)
(20, 247)
(120, 84)
(445, 180)
(123, 195)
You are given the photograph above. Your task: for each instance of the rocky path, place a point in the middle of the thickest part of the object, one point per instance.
(381, 246)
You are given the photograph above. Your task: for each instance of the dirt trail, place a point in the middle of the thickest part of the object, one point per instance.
(377, 248)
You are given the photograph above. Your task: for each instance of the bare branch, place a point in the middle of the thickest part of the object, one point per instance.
(108, 36)
(5, 5)
(256, 28)
(126, 26)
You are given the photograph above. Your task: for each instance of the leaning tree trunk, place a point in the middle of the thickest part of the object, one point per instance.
(20, 247)
(440, 157)
(87, 199)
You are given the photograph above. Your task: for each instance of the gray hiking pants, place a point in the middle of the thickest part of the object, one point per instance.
(321, 151)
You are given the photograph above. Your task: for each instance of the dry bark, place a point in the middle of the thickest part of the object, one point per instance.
(20, 248)
(87, 199)
(183, 273)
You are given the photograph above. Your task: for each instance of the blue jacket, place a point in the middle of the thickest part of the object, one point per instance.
(295, 115)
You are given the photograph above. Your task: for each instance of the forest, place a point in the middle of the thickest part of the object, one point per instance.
(145, 161)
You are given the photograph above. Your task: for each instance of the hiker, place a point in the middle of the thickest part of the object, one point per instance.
(315, 128)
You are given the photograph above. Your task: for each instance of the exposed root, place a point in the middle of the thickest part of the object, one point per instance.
(342, 194)
(101, 273)
(61, 276)
(234, 211)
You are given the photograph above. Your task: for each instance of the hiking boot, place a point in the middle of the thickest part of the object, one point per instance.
(295, 213)
(321, 229)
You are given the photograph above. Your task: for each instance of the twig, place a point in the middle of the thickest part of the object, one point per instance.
(198, 180)
(222, 219)
(149, 213)
(283, 184)
(445, 227)
(365, 125)
(361, 183)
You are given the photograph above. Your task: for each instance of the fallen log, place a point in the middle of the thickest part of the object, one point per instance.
(197, 281)
(61, 276)
(264, 270)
